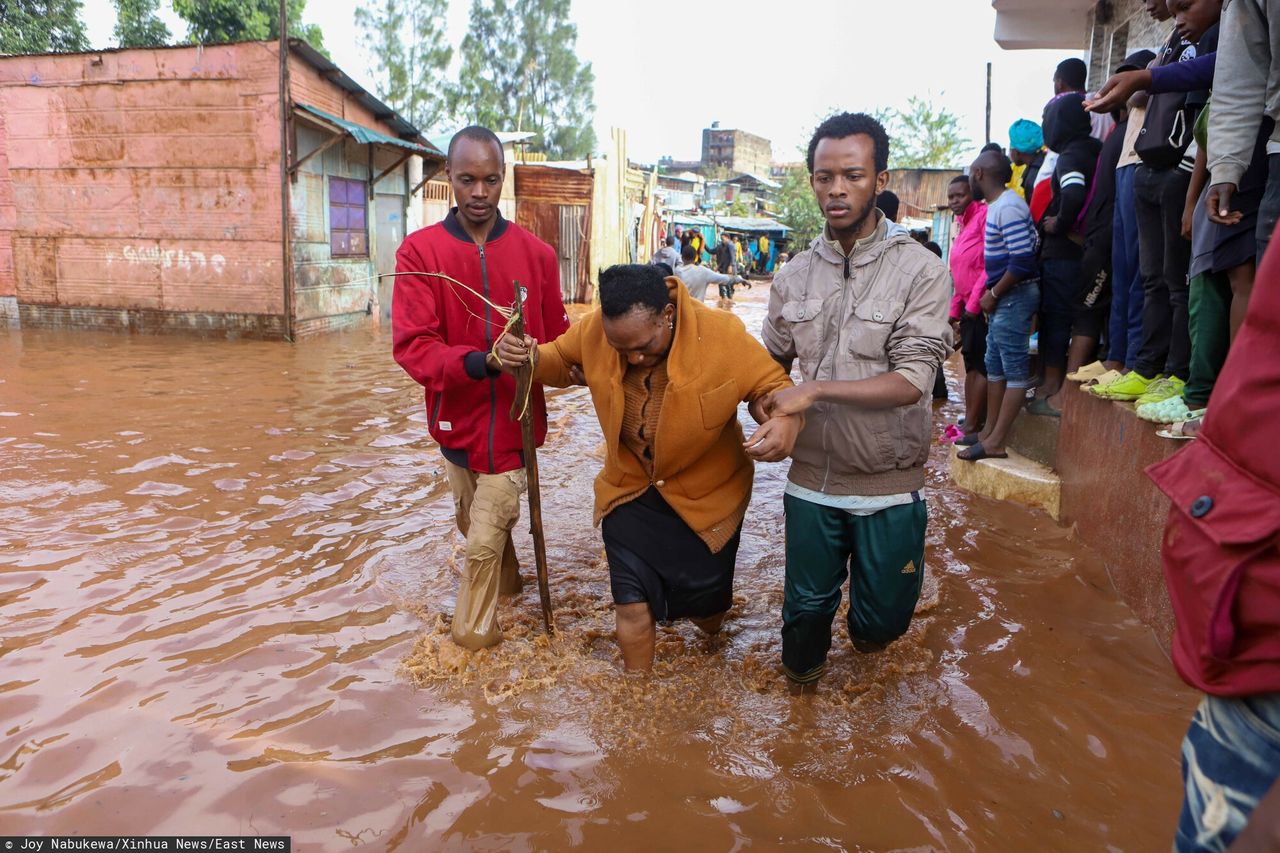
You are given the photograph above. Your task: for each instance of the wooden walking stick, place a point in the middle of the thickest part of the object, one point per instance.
(522, 410)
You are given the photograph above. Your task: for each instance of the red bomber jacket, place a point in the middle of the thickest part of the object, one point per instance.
(441, 333)
(1221, 547)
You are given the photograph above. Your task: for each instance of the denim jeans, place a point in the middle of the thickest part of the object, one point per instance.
(1008, 334)
(1230, 759)
(1165, 258)
(1059, 283)
(1126, 275)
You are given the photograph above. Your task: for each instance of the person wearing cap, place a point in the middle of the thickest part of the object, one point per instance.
(1026, 151)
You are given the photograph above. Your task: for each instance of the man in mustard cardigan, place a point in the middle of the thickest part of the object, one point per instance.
(864, 309)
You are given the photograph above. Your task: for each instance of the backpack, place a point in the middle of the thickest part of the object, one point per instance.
(1166, 133)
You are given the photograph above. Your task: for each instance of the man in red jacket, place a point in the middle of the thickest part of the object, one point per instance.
(443, 335)
(1221, 558)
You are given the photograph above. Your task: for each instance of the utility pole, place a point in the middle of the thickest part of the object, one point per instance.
(988, 102)
(286, 243)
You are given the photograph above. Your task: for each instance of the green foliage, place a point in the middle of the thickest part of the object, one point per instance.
(739, 208)
(41, 26)
(520, 71)
(924, 136)
(798, 209)
(222, 21)
(137, 24)
(407, 39)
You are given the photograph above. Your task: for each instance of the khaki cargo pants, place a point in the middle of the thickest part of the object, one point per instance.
(486, 507)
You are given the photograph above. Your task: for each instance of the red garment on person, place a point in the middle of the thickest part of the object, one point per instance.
(440, 333)
(1221, 547)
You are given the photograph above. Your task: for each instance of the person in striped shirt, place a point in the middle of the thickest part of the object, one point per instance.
(1011, 299)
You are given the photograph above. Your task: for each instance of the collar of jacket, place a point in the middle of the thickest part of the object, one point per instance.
(865, 250)
(455, 229)
(971, 212)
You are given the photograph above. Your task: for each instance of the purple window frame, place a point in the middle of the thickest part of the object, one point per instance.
(348, 218)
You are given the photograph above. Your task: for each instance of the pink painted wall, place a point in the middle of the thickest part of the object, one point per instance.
(144, 179)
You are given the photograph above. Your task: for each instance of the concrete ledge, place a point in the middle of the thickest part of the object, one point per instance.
(9, 311)
(1036, 437)
(1016, 479)
(1103, 453)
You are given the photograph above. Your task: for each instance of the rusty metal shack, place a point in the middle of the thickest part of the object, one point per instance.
(147, 190)
(555, 204)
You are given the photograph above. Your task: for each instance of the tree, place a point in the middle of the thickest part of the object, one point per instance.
(409, 72)
(138, 25)
(924, 136)
(41, 26)
(798, 208)
(520, 71)
(222, 21)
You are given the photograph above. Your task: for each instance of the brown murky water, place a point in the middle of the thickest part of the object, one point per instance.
(225, 572)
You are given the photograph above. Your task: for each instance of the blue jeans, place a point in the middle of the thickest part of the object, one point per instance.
(1126, 276)
(1008, 333)
(1230, 759)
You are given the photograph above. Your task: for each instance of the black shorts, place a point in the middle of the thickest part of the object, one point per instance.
(655, 558)
(973, 342)
(1092, 304)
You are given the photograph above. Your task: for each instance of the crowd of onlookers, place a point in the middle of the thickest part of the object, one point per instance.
(1118, 238)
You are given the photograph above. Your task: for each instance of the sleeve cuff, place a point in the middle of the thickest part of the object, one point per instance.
(474, 364)
(1226, 173)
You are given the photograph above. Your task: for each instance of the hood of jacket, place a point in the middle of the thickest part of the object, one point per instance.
(1065, 121)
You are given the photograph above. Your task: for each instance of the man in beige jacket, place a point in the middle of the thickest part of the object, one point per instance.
(864, 309)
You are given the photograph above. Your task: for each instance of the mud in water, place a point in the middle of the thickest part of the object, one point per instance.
(226, 573)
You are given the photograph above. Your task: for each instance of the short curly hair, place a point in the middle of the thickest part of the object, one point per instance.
(850, 124)
(624, 287)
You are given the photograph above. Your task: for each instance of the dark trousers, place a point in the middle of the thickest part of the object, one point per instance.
(882, 555)
(1210, 325)
(1125, 336)
(726, 291)
(1059, 284)
(1269, 212)
(1164, 257)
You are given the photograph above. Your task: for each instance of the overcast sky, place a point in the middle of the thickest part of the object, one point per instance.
(769, 68)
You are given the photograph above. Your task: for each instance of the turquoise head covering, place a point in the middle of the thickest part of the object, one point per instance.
(1025, 136)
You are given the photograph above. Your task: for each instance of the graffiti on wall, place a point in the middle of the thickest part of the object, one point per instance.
(171, 259)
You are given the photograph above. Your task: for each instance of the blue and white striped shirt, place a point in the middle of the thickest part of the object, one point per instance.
(1011, 240)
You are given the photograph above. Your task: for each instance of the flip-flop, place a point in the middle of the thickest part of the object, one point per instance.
(969, 439)
(977, 452)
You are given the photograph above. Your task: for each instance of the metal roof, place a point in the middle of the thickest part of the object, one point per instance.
(751, 223)
(342, 80)
(364, 135)
(764, 182)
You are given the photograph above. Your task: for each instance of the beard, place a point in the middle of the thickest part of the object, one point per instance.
(867, 210)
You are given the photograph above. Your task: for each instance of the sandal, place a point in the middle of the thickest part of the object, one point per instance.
(969, 439)
(1177, 431)
(1041, 407)
(977, 453)
(1089, 371)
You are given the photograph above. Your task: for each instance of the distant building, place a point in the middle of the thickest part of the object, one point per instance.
(736, 150)
(146, 190)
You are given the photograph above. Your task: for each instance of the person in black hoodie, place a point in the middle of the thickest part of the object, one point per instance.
(1067, 129)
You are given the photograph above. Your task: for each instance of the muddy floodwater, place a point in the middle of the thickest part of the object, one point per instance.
(226, 573)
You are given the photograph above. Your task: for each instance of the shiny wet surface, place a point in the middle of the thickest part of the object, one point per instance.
(226, 570)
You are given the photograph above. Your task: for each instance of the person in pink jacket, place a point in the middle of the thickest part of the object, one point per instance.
(968, 275)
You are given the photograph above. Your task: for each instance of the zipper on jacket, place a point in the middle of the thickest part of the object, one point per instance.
(488, 337)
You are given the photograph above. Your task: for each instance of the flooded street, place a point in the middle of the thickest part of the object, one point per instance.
(226, 570)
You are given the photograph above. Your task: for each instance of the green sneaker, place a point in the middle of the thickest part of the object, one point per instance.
(1099, 388)
(1162, 389)
(1133, 386)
